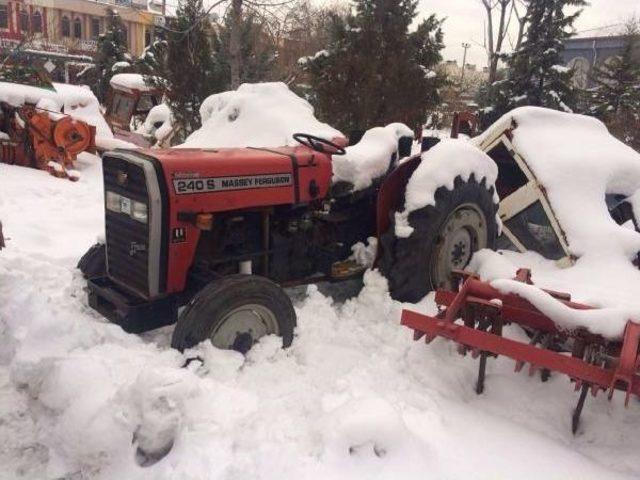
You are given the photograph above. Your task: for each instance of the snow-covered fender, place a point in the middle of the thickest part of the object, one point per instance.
(391, 194)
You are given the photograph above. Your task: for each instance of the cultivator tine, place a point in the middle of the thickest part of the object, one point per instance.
(481, 372)
(575, 419)
(545, 373)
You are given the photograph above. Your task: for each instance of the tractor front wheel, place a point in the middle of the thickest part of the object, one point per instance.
(93, 264)
(234, 312)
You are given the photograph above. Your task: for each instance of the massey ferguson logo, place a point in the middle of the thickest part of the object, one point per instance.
(221, 184)
(121, 178)
(135, 247)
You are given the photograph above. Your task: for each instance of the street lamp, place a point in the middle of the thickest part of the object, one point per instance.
(464, 61)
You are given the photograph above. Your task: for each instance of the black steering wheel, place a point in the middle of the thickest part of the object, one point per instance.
(319, 144)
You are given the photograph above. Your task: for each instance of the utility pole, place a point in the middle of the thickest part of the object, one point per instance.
(464, 61)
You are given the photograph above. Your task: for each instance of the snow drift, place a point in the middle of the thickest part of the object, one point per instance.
(256, 115)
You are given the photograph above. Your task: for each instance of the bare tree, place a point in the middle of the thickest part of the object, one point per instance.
(494, 37)
(267, 10)
(520, 10)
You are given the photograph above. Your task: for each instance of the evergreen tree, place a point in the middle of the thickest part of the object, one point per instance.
(374, 71)
(257, 53)
(536, 75)
(184, 65)
(615, 99)
(112, 48)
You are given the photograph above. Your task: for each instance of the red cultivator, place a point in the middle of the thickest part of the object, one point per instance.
(591, 361)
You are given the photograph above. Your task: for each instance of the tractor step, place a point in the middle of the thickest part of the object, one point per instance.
(346, 269)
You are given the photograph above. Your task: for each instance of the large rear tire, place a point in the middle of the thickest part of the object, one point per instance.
(93, 263)
(445, 236)
(234, 312)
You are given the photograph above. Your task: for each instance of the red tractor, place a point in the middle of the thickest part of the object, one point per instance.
(222, 231)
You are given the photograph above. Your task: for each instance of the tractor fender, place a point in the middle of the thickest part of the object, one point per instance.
(391, 195)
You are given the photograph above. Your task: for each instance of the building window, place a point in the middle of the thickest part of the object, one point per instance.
(147, 37)
(95, 28)
(65, 27)
(4, 17)
(36, 22)
(580, 71)
(77, 28)
(24, 21)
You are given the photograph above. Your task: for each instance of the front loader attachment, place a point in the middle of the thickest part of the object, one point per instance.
(474, 318)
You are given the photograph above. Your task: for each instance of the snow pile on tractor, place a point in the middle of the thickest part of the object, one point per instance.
(371, 157)
(158, 125)
(577, 162)
(80, 102)
(256, 115)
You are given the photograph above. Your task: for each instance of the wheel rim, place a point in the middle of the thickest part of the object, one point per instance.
(462, 233)
(240, 328)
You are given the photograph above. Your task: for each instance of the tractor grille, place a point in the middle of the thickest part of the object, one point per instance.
(127, 239)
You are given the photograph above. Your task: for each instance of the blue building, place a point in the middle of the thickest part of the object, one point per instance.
(581, 54)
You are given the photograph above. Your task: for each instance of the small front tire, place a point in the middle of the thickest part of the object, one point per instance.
(93, 263)
(234, 312)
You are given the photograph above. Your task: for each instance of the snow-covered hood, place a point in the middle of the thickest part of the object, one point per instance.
(256, 115)
(577, 161)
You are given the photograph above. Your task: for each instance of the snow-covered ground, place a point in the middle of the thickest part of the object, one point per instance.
(354, 397)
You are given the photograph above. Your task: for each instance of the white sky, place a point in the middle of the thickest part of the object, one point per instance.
(465, 22)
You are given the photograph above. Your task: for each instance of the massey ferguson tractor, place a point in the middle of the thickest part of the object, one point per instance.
(222, 231)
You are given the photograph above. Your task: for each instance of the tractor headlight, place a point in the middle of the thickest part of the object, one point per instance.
(139, 211)
(113, 202)
(121, 204)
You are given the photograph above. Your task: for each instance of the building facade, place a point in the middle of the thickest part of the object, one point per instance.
(72, 27)
(582, 54)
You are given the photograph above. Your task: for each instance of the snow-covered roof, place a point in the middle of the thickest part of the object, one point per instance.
(256, 115)
(134, 81)
(16, 94)
(577, 161)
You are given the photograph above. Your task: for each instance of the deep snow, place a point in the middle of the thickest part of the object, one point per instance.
(354, 397)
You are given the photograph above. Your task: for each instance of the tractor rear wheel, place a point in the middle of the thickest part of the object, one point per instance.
(234, 312)
(93, 264)
(445, 236)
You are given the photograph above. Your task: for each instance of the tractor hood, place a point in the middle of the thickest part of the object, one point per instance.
(211, 180)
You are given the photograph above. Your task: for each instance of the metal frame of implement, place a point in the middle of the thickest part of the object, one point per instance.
(591, 361)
